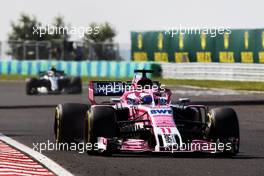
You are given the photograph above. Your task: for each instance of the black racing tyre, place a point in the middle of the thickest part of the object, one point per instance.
(69, 122)
(44, 83)
(76, 83)
(225, 128)
(100, 121)
(63, 83)
(31, 86)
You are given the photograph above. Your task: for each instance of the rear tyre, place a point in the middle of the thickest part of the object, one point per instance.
(76, 83)
(69, 122)
(225, 128)
(31, 86)
(100, 121)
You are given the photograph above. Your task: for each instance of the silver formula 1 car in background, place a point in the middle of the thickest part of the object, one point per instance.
(53, 81)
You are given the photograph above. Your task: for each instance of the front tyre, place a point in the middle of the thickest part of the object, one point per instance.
(76, 83)
(31, 86)
(225, 128)
(100, 121)
(69, 121)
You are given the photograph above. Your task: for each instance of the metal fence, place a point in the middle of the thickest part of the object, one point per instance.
(62, 50)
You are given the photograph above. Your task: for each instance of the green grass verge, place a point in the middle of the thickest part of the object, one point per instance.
(13, 77)
(235, 85)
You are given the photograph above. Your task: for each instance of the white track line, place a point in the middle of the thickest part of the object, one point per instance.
(48, 163)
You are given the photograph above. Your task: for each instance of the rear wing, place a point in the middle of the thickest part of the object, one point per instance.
(110, 88)
(144, 72)
(58, 72)
(105, 88)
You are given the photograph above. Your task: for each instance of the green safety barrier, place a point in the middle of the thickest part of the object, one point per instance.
(108, 69)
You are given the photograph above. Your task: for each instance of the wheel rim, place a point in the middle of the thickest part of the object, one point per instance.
(88, 126)
(57, 120)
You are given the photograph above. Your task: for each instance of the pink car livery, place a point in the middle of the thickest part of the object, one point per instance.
(144, 119)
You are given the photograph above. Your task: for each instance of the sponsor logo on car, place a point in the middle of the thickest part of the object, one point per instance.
(161, 111)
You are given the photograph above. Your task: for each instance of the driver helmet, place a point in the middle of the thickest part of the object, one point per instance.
(159, 100)
(53, 68)
(145, 83)
(51, 73)
(145, 99)
(162, 101)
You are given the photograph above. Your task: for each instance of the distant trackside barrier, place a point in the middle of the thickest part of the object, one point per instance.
(199, 45)
(213, 71)
(114, 69)
(106, 69)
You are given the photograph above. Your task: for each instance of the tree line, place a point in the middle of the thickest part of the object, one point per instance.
(24, 30)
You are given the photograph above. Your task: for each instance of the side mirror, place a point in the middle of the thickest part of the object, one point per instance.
(115, 100)
(184, 100)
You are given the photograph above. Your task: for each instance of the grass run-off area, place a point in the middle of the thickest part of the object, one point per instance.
(235, 85)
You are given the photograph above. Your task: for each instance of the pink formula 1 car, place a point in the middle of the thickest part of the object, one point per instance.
(142, 119)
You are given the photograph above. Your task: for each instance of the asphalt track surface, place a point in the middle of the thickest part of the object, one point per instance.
(33, 122)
